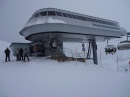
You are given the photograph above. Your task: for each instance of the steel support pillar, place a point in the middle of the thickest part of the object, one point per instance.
(94, 46)
(89, 50)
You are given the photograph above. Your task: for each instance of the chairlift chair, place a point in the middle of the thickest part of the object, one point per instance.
(124, 45)
(110, 49)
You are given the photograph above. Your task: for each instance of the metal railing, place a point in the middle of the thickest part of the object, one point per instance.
(74, 54)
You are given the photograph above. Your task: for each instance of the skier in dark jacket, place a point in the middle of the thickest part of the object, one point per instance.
(7, 52)
(21, 54)
(25, 55)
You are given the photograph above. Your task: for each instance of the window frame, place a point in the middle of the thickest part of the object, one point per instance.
(78, 17)
(51, 14)
(37, 15)
(60, 13)
(69, 15)
(74, 16)
(44, 12)
(64, 14)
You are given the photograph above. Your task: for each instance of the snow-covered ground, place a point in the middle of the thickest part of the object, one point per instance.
(48, 78)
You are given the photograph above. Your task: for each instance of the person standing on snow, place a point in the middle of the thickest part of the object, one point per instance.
(25, 54)
(7, 52)
(21, 54)
(17, 54)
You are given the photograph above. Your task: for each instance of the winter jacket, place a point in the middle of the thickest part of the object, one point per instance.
(21, 51)
(7, 52)
(17, 52)
(25, 52)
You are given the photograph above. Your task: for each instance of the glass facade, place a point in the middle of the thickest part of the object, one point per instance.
(83, 18)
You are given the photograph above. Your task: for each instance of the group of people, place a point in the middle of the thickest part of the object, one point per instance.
(110, 50)
(20, 54)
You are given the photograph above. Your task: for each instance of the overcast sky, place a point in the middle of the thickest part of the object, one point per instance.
(15, 13)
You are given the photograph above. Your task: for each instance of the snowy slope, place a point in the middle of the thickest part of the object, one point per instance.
(123, 63)
(48, 78)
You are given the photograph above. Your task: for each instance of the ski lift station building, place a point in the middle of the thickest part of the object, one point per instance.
(65, 26)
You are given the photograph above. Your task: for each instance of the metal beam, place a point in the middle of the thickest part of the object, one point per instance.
(89, 50)
(94, 45)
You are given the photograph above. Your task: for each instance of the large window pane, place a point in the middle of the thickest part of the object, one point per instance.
(99, 21)
(105, 22)
(64, 14)
(69, 16)
(108, 23)
(114, 24)
(44, 13)
(85, 19)
(94, 20)
(74, 16)
(79, 17)
(111, 23)
(89, 19)
(36, 15)
(52, 13)
(102, 22)
(58, 13)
